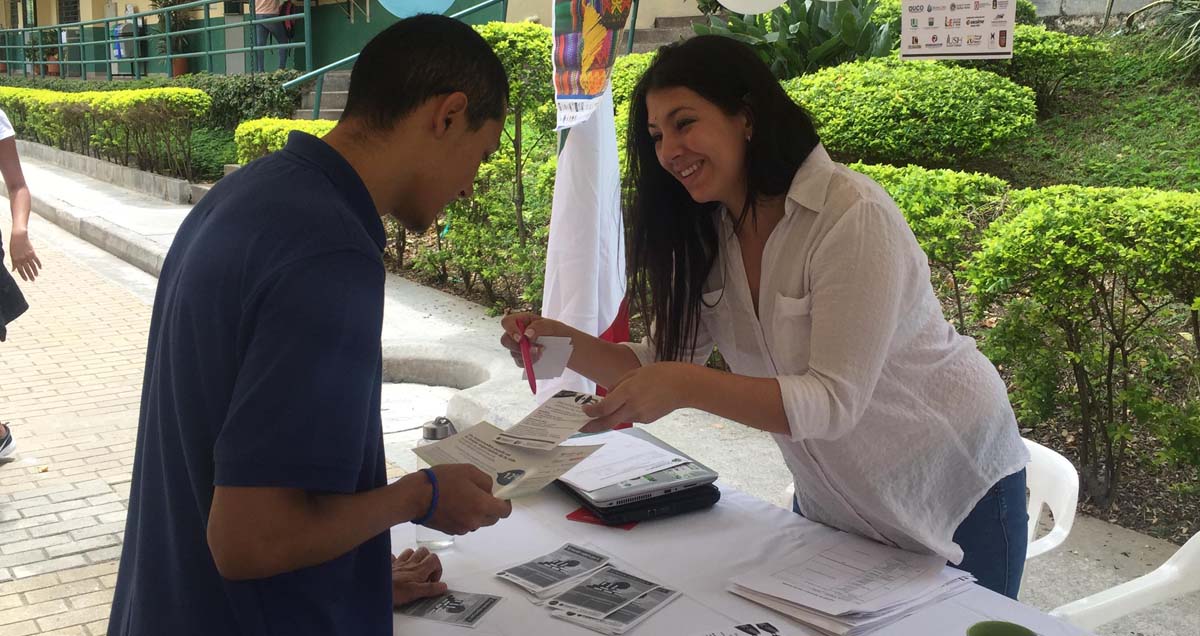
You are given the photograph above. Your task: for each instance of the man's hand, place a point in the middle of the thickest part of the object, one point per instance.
(465, 501)
(24, 259)
(644, 395)
(416, 575)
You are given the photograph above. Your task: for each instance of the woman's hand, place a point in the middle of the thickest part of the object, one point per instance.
(416, 575)
(646, 394)
(24, 259)
(535, 326)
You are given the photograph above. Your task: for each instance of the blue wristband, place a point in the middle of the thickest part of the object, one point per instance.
(433, 501)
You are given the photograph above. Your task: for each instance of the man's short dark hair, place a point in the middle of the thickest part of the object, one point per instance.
(423, 57)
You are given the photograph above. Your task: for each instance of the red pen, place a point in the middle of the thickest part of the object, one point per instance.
(527, 357)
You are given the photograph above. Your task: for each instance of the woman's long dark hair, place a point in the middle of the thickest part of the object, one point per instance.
(673, 239)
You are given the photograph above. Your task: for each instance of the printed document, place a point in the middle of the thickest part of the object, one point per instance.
(549, 424)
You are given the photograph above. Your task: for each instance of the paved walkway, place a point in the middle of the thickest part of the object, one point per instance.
(70, 380)
(71, 376)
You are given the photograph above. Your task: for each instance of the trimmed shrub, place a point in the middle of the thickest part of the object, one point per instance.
(212, 148)
(1042, 59)
(947, 211)
(1095, 286)
(150, 129)
(235, 98)
(627, 71)
(888, 111)
(261, 137)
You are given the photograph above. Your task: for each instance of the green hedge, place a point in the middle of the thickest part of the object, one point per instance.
(150, 129)
(261, 137)
(888, 111)
(947, 211)
(235, 98)
(1042, 59)
(1094, 287)
(627, 70)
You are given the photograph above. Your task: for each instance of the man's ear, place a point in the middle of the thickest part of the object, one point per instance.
(450, 113)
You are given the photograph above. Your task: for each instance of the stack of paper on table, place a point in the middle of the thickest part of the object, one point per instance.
(622, 457)
(846, 585)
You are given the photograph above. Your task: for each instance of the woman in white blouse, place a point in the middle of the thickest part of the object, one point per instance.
(744, 234)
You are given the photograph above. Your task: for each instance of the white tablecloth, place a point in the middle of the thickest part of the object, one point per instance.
(695, 553)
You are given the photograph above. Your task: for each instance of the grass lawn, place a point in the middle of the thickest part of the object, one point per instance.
(1132, 121)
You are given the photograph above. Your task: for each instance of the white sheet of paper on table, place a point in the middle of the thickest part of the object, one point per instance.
(556, 352)
(846, 574)
(620, 458)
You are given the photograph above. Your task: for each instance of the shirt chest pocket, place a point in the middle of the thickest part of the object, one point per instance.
(791, 334)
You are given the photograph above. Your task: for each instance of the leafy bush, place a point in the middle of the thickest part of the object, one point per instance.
(804, 35)
(947, 211)
(626, 72)
(495, 242)
(1027, 13)
(261, 137)
(212, 148)
(1095, 286)
(150, 129)
(888, 111)
(1042, 59)
(1181, 26)
(235, 98)
(238, 98)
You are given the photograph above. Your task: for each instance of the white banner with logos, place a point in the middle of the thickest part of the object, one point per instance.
(957, 29)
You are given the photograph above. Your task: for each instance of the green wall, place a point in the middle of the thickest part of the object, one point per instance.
(335, 38)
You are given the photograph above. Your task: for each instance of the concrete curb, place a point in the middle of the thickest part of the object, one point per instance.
(487, 390)
(125, 244)
(166, 188)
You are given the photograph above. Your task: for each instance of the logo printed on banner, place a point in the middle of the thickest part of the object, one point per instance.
(976, 21)
(913, 8)
(974, 40)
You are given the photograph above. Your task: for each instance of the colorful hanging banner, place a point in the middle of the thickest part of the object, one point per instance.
(585, 46)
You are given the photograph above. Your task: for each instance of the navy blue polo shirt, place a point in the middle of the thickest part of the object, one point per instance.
(263, 369)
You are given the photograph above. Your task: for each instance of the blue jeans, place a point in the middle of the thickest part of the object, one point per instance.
(276, 30)
(994, 536)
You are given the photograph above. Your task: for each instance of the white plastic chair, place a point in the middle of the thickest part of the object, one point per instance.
(1052, 481)
(1178, 576)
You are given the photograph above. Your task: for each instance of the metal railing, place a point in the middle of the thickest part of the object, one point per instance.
(31, 47)
(319, 74)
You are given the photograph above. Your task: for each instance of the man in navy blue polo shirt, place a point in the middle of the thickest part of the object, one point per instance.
(259, 502)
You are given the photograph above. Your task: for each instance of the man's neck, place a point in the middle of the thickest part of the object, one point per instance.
(386, 175)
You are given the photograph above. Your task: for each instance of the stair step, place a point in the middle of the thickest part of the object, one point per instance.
(329, 99)
(326, 113)
(198, 191)
(681, 22)
(652, 39)
(336, 81)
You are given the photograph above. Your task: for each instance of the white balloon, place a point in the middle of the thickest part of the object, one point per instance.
(751, 6)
